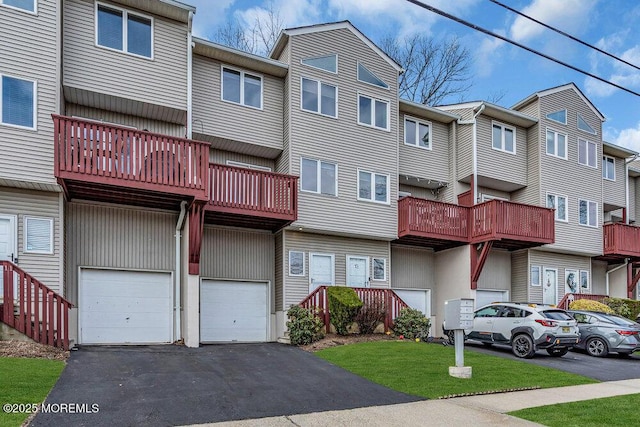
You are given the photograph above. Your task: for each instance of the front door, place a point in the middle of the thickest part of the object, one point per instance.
(357, 271)
(321, 271)
(8, 246)
(549, 286)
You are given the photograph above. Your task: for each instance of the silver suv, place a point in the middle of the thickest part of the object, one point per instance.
(525, 327)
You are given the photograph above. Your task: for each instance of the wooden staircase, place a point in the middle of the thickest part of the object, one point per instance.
(32, 308)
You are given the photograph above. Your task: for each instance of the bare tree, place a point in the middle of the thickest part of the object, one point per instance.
(434, 70)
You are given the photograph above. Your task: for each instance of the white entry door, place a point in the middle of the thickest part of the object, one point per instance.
(8, 248)
(357, 271)
(550, 286)
(321, 270)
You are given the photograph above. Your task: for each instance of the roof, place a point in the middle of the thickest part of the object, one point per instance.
(557, 89)
(617, 150)
(171, 9)
(283, 39)
(422, 110)
(497, 112)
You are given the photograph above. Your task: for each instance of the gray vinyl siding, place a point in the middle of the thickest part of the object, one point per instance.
(633, 199)
(512, 167)
(161, 81)
(560, 262)
(29, 50)
(464, 153)
(519, 276)
(419, 162)
(598, 277)
(221, 157)
(44, 267)
(531, 194)
(614, 192)
(117, 237)
(413, 268)
(222, 119)
(279, 271)
(419, 192)
(341, 140)
(231, 253)
(297, 287)
(112, 117)
(496, 273)
(493, 193)
(283, 162)
(637, 196)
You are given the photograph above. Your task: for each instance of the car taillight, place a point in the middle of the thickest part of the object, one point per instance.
(626, 332)
(546, 323)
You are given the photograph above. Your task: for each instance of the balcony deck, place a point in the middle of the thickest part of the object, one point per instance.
(620, 241)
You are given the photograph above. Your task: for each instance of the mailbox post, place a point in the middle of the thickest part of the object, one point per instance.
(458, 316)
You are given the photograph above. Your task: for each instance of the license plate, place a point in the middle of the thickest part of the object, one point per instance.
(566, 329)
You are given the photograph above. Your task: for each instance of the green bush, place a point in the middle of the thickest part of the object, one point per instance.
(624, 307)
(412, 324)
(585, 304)
(304, 327)
(370, 315)
(343, 306)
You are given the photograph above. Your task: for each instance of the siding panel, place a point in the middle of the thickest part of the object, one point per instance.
(614, 192)
(421, 163)
(221, 157)
(496, 273)
(413, 268)
(519, 276)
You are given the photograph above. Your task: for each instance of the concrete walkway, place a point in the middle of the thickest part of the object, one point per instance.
(483, 410)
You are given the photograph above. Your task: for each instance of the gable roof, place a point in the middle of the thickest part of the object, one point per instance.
(495, 111)
(283, 39)
(557, 89)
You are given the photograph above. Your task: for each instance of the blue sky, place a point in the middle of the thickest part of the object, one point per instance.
(497, 67)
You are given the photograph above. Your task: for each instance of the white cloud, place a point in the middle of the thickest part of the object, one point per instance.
(597, 88)
(571, 16)
(618, 72)
(208, 16)
(629, 138)
(487, 55)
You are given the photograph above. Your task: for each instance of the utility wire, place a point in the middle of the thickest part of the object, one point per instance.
(515, 43)
(564, 34)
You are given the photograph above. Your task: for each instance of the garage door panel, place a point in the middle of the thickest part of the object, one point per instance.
(127, 319)
(111, 335)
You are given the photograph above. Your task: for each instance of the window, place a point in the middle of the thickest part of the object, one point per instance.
(124, 31)
(28, 5)
(558, 116)
(18, 107)
(584, 281)
(296, 263)
(38, 235)
(327, 63)
(535, 275)
(556, 144)
(241, 88)
(319, 177)
(609, 168)
(504, 138)
(559, 203)
(373, 187)
(588, 213)
(366, 76)
(319, 97)
(380, 269)
(248, 166)
(587, 153)
(491, 311)
(584, 126)
(417, 133)
(373, 112)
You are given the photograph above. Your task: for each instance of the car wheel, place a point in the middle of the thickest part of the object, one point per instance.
(557, 352)
(596, 347)
(522, 346)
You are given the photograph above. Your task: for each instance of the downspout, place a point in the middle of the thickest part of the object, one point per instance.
(190, 77)
(474, 122)
(626, 187)
(626, 261)
(178, 303)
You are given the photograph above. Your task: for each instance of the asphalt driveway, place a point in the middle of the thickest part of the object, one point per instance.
(174, 385)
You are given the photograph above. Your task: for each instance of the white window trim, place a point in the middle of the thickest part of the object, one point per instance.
(319, 177)
(25, 249)
(319, 105)
(418, 123)
(373, 112)
(539, 267)
(242, 74)
(304, 270)
(566, 143)
(367, 83)
(318, 57)
(596, 158)
(35, 103)
(595, 132)
(502, 136)
(597, 213)
(605, 160)
(333, 266)
(248, 166)
(486, 197)
(368, 269)
(566, 205)
(373, 275)
(125, 15)
(30, 12)
(373, 187)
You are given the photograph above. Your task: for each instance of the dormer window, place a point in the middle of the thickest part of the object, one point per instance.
(366, 76)
(326, 63)
(558, 116)
(584, 126)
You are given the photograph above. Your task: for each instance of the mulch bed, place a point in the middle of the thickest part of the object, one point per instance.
(31, 350)
(333, 340)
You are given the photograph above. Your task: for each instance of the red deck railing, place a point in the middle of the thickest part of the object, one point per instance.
(501, 219)
(621, 239)
(318, 301)
(107, 154)
(431, 219)
(252, 192)
(33, 309)
(569, 298)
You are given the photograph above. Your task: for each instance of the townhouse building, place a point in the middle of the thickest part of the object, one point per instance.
(171, 188)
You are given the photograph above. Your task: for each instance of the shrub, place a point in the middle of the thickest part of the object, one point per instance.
(585, 304)
(304, 327)
(343, 306)
(624, 307)
(412, 324)
(371, 313)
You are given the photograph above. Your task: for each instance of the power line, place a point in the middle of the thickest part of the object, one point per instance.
(503, 38)
(565, 34)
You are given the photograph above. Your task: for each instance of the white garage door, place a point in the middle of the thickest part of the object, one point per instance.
(233, 311)
(485, 297)
(416, 298)
(125, 307)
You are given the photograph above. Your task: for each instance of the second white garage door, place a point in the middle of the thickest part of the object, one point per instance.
(233, 311)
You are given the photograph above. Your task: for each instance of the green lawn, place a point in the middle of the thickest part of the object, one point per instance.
(25, 381)
(611, 412)
(423, 369)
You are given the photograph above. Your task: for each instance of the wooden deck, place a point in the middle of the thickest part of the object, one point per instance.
(620, 241)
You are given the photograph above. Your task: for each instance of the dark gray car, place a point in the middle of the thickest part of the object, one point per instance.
(602, 333)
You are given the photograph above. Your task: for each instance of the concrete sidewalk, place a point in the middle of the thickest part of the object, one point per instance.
(483, 410)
